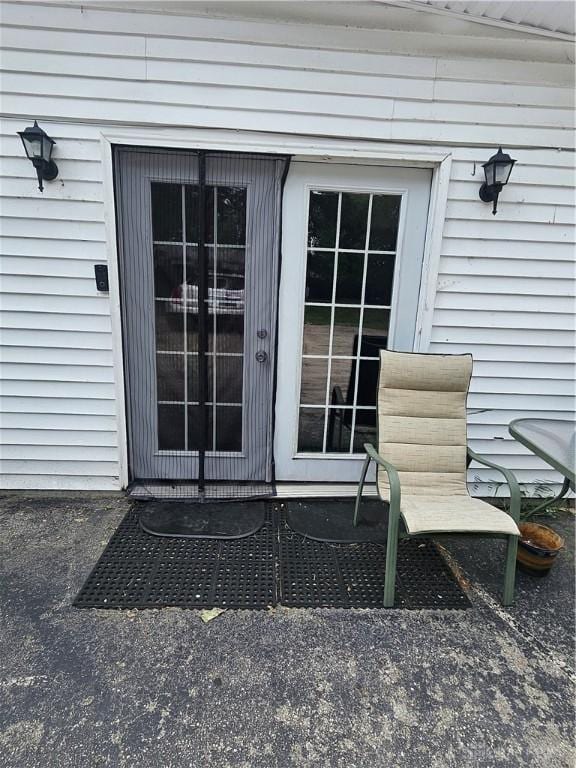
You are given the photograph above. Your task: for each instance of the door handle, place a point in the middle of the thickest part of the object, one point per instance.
(261, 356)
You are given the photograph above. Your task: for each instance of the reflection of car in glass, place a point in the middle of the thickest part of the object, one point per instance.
(221, 301)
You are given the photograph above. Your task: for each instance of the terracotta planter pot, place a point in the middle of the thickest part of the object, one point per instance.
(537, 548)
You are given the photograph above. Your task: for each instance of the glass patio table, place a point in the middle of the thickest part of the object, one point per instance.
(552, 440)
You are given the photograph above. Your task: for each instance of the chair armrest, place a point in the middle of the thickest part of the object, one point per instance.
(391, 471)
(515, 494)
(337, 396)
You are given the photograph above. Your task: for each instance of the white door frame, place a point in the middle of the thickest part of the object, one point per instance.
(302, 147)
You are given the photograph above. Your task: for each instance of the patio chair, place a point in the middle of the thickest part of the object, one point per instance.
(422, 459)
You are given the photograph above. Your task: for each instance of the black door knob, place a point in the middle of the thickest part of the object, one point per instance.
(261, 356)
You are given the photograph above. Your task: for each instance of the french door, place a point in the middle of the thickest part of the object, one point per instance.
(351, 271)
(198, 236)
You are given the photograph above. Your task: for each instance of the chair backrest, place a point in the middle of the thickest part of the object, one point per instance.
(422, 421)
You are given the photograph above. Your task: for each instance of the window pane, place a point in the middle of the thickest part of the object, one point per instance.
(319, 276)
(231, 229)
(194, 428)
(345, 335)
(322, 219)
(379, 279)
(168, 271)
(171, 427)
(228, 428)
(169, 327)
(349, 279)
(374, 332)
(192, 211)
(316, 330)
(230, 277)
(313, 387)
(353, 220)
(170, 377)
(193, 378)
(365, 430)
(342, 380)
(230, 333)
(384, 224)
(166, 211)
(367, 382)
(311, 429)
(228, 379)
(338, 433)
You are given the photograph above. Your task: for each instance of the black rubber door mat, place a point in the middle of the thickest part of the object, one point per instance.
(332, 520)
(211, 520)
(274, 566)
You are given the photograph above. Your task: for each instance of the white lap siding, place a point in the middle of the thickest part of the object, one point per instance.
(505, 284)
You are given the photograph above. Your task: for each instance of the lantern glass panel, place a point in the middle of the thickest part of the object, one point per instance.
(47, 145)
(33, 147)
(490, 173)
(502, 172)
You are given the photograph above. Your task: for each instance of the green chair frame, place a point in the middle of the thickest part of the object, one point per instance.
(394, 533)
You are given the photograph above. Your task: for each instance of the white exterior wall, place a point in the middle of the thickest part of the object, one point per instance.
(505, 284)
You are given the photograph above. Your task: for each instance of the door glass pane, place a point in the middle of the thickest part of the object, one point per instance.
(319, 276)
(322, 219)
(351, 329)
(170, 377)
(349, 278)
(345, 334)
(228, 428)
(231, 212)
(379, 279)
(353, 220)
(311, 429)
(170, 427)
(176, 275)
(314, 375)
(317, 330)
(168, 272)
(166, 211)
(384, 226)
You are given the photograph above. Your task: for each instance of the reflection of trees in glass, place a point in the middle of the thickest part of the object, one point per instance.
(322, 219)
(384, 225)
(353, 220)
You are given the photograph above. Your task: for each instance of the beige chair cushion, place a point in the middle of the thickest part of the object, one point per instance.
(422, 432)
(454, 513)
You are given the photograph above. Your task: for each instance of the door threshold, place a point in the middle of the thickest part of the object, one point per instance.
(321, 490)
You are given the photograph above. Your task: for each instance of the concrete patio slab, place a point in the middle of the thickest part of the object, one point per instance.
(268, 689)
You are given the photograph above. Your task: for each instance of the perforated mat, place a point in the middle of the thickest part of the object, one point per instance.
(274, 566)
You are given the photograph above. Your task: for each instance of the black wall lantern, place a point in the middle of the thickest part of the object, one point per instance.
(497, 172)
(38, 146)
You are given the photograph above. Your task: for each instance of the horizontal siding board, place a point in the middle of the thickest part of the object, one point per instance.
(60, 339)
(57, 356)
(489, 302)
(38, 267)
(56, 467)
(56, 322)
(58, 437)
(52, 373)
(504, 231)
(533, 337)
(533, 193)
(506, 284)
(60, 453)
(485, 350)
(510, 249)
(64, 390)
(97, 305)
(519, 320)
(29, 406)
(57, 247)
(59, 423)
(46, 481)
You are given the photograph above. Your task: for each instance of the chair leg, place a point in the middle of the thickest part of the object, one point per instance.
(510, 572)
(360, 488)
(391, 556)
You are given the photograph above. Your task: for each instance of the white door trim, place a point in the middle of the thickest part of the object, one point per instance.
(348, 150)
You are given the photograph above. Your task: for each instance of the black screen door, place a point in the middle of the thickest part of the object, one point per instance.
(198, 235)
